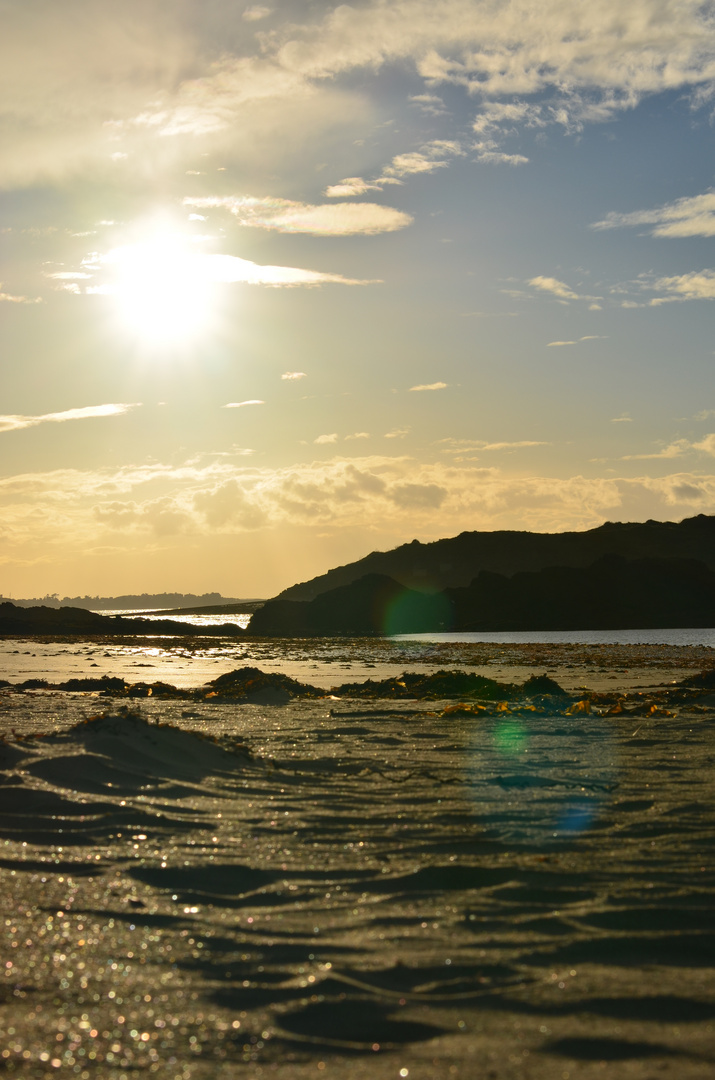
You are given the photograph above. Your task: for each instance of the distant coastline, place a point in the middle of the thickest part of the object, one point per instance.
(163, 602)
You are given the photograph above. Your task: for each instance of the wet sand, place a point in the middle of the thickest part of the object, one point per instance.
(354, 889)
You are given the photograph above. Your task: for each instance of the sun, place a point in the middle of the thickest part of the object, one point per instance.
(163, 294)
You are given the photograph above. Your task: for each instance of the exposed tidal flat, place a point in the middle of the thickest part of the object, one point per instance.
(513, 884)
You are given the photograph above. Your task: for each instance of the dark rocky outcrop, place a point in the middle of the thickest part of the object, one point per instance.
(614, 593)
(456, 561)
(77, 621)
(375, 604)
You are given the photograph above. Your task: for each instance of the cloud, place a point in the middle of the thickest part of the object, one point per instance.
(397, 433)
(429, 104)
(352, 185)
(622, 419)
(293, 375)
(103, 86)
(553, 285)
(693, 216)
(10, 298)
(256, 12)
(697, 285)
(707, 445)
(156, 507)
(323, 439)
(463, 446)
(240, 404)
(16, 422)
(430, 386)
(358, 435)
(676, 449)
(586, 337)
(283, 215)
(432, 155)
(198, 270)
(489, 156)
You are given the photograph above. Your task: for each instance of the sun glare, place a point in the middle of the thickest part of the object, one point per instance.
(163, 294)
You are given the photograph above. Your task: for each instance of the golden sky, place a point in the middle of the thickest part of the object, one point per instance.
(285, 283)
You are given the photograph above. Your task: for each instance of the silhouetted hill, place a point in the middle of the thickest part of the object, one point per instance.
(456, 561)
(71, 621)
(612, 594)
(375, 604)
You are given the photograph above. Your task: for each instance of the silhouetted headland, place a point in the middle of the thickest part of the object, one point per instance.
(612, 594)
(70, 621)
(455, 562)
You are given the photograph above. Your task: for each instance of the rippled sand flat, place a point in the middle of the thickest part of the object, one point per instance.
(363, 888)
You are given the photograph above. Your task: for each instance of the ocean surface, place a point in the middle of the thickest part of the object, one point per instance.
(685, 637)
(194, 620)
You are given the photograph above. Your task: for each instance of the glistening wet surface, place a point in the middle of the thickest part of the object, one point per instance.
(357, 888)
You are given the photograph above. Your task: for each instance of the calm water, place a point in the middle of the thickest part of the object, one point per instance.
(194, 620)
(577, 637)
(516, 637)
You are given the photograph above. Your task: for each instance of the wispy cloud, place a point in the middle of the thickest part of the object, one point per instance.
(431, 156)
(283, 215)
(697, 285)
(577, 341)
(256, 12)
(10, 298)
(16, 422)
(430, 386)
(559, 289)
(293, 375)
(550, 284)
(693, 216)
(240, 404)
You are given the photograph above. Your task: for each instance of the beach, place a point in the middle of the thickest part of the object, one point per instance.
(347, 886)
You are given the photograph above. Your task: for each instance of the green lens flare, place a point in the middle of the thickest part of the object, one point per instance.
(511, 737)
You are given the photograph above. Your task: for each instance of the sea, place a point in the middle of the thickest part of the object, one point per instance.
(687, 636)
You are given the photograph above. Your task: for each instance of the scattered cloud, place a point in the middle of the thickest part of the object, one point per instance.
(293, 375)
(358, 435)
(256, 12)
(430, 386)
(697, 285)
(397, 433)
(560, 290)
(15, 422)
(198, 270)
(122, 509)
(624, 419)
(322, 440)
(490, 156)
(10, 298)
(111, 82)
(429, 104)
(432, 155)
(693, 216)
(553, 285)
(240, 404)
(283, 215)
(586, 337)
(676, 449)
(464, 446)
(706, 445)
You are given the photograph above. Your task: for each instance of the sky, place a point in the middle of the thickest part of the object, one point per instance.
(285, 283)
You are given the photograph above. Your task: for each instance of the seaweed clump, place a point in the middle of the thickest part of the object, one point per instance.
(251, 685)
